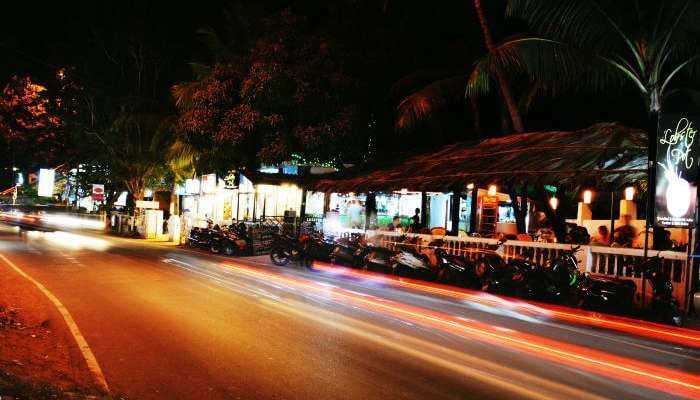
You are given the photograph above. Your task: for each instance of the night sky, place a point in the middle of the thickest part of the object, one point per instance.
(391, 39)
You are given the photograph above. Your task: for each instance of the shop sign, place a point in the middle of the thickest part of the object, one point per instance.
(209, 183)
(98, 192)
(192, 186)
(676, 172)
(46, 182)
(154, 205)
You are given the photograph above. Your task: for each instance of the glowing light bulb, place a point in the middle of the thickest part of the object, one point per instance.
(629, 193)
(677, 196)
(587, 196)
(492, 190)
(554, 203)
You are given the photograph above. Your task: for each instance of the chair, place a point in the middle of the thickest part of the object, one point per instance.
(438, 231)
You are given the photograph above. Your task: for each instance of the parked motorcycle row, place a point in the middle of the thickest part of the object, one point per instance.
(232, 240)
(558, 282)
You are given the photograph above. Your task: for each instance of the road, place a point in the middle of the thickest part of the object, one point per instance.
(171, 323)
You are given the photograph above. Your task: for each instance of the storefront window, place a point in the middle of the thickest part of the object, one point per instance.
(506, 214)
(314, 203)
(347, 211)
(390, 205)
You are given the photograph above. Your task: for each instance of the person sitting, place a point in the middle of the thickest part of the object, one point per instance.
(625, 234)
(603, 237)
(666, 243)
(395, 224)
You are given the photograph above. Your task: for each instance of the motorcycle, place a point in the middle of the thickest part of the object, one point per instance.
(664, 305)
(232, 241)
(201, 237)
(304, 249)
(458, 271)
(410, 263)
(349, 251)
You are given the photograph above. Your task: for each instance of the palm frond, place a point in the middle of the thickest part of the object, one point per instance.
(424, 103)
(554, 66)
(571, 21)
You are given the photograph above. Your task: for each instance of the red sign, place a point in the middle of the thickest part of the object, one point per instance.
(98, 192)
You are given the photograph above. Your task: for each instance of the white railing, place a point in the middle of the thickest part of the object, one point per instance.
(614, 262)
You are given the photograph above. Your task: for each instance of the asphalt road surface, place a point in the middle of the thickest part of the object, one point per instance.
(172, 323)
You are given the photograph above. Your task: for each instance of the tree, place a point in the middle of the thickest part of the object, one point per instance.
(498, 72)
(287, 94)
(601, 45)
(27, 123)
(448, 88)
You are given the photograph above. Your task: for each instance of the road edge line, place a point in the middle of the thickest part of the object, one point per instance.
(85, 350)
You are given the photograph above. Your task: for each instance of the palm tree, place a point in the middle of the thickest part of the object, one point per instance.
(515, 118)
(600, 44)
(447, 88)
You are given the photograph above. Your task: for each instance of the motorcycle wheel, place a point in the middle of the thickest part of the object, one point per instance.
(278, 257)
(215, 248)
(400, 270)
(228, 249)
(308, 262)
(673, 316)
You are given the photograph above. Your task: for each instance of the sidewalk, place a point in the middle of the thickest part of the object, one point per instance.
(39, 358)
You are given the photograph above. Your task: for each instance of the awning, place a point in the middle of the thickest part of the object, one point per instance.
(604, 153)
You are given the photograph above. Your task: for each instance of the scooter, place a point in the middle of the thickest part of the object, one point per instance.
(457, 271)
(408, 262)
(664, 305)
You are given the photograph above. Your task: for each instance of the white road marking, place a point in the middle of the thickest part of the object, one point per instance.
(72, 326)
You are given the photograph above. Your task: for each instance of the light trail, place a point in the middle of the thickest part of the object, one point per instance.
(655, 331)
(604, 364)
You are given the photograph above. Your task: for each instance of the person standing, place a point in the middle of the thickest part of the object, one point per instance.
(416, 225)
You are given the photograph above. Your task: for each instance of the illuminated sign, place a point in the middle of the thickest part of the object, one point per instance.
(46, 182)
(192, 186)
(154, 205)
(98, 192)
(676, 172)
(209, 183)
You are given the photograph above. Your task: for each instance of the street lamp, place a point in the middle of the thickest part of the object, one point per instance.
(492, 190)
(587, 196)
(629, 193)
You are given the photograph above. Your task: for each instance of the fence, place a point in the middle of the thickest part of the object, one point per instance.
(614, 262)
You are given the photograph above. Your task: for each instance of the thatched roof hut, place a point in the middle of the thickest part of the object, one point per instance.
(606, 153)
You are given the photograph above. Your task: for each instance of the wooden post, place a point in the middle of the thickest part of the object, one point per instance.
(370, 210)
(612, 216)
(302, 208)
(423, 209)
(472, 211)
(454, 212)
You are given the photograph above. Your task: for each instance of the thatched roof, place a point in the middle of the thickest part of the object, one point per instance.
(603, 153)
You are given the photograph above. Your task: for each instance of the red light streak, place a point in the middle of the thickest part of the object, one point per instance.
(682, 336)
(638, 372)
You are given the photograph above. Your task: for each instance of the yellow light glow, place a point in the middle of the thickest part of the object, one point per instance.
(587, 196)
(470, 186)
(493, 189)
(554, 203)
(629, 193)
